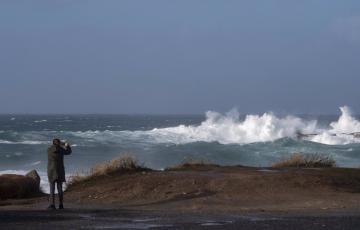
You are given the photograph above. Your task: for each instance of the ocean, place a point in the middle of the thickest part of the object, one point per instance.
(159, 141)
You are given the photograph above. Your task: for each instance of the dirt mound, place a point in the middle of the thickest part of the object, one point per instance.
(227, 188)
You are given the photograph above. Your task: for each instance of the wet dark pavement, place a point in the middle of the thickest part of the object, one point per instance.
(130, 219)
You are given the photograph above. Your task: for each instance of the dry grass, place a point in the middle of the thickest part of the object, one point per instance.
(122, 164)
(190, 163)
(299, 160)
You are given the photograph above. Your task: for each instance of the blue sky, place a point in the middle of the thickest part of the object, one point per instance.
(287, 56)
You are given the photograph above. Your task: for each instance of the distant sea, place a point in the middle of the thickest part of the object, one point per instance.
(159, 141)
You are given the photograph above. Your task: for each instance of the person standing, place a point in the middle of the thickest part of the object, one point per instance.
(56, 170)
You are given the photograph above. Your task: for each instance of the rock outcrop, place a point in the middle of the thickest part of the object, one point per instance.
(34, 175)
(18, 186)
(300, 135)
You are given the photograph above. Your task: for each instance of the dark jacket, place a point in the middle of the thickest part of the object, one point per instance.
(55, 169)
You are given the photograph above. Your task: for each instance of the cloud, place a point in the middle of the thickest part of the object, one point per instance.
(348, 28)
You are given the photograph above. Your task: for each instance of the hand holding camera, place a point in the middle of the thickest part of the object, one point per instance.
(65, 144)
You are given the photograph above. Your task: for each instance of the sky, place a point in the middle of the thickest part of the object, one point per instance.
(179, 56)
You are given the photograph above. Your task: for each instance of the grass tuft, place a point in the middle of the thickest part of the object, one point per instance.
(190, 163)
(121, 164)
(300, 160)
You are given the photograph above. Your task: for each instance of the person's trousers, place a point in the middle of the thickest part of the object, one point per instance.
(52, 192)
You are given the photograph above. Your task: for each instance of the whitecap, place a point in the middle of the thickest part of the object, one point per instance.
(35, 163)
(10, 171)
(40, 121)
(28, 142)
(6, 142)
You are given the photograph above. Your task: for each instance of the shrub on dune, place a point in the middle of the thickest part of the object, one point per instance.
(190, 163)
(122, 164)
(300, 160)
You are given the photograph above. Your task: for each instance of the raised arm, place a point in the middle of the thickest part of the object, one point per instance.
(68, 150)
(64, 150)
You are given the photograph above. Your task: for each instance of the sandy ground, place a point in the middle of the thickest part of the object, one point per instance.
(205, 197)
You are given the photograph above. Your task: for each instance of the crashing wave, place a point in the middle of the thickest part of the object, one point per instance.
(229, 128)
(345, 130)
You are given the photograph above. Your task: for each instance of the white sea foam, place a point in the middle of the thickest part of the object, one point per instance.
(18, 172)
(40, 121)
(27, 142)
(339, 131)
(35, 163)
(33, 142)
(230, 129)
(346, 123)
(6, 142)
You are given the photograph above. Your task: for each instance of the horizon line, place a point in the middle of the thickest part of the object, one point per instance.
(168, 114)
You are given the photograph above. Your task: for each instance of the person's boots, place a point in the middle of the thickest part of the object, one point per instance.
(51, 207)
(61, 206)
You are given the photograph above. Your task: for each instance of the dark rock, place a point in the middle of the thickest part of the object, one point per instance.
(34, 175)
(17, 186)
